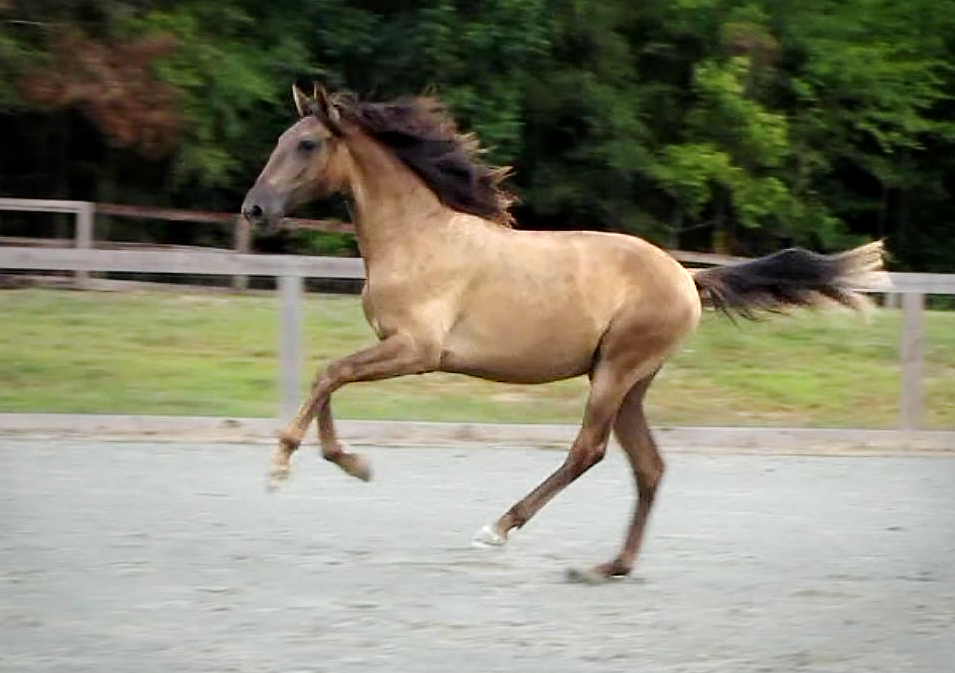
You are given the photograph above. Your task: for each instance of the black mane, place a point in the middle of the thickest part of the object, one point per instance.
(425, 138)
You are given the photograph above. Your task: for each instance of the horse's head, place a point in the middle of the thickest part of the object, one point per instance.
(309, 161)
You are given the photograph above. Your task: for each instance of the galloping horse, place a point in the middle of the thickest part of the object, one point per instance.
(452, 287)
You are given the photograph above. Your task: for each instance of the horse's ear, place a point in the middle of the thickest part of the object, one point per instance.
(301, 101)
(327, 110)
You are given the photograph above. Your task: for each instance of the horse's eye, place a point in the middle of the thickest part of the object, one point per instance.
(307, 145)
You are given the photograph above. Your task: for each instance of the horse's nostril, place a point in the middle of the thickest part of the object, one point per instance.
(253, 213)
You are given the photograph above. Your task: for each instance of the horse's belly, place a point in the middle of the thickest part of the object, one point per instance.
(524, 356)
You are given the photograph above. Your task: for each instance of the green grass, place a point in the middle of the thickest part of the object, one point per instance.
(204, 354)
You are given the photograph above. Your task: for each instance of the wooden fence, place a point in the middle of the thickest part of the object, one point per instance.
(85, 214)
(291, 270)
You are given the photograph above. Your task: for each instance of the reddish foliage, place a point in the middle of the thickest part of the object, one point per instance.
(113, 85)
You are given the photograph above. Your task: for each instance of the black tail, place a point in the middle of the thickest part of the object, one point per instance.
(793, 277)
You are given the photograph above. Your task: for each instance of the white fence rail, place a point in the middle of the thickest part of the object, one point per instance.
(292, 269)
(84, 217)
(84, 231)
(179, 262)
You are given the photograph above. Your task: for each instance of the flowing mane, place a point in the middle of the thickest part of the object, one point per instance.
(425, 138)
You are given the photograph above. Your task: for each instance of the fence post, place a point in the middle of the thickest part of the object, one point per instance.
(242, 244)
(912, 353)
(291, 289)
(84, 241)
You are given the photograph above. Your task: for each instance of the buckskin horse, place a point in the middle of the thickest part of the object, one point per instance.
(451, 286)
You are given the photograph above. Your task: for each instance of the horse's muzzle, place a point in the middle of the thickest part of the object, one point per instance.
(262, 208)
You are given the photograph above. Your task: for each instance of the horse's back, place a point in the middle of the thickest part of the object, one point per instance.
(627, 267)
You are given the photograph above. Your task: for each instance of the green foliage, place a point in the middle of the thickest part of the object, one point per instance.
(224, 80)
(732, 124)
(325, 244)
(735, 144)
(586, 140)
(13, 55)
(478, 60)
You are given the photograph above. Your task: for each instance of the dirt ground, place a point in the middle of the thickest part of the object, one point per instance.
(172, 557)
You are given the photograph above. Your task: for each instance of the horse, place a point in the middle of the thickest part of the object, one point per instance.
(452, 286)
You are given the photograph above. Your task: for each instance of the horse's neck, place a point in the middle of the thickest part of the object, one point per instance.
(396, 214)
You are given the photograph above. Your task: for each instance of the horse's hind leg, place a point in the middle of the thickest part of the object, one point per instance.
(608, 388)
(638, 444)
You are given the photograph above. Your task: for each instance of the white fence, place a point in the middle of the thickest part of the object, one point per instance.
(84, 231)
(292, 269)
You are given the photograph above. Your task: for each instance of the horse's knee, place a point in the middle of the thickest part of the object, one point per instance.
(584, 456)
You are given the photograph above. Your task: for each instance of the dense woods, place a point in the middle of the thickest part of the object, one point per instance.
(727, 125)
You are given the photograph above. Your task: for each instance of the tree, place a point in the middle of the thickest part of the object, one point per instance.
(736, 125)
(870, 89)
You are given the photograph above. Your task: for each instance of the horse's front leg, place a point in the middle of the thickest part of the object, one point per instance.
(397, 355)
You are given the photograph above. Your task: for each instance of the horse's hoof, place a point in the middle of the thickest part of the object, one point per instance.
(592, 576)
(278, 475)
(601, 574)
(489, 536)
(357, 466)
